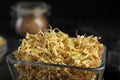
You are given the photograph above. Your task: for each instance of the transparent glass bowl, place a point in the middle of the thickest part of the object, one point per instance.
(23, 70)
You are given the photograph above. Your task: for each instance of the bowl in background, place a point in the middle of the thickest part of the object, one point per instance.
(3, 47)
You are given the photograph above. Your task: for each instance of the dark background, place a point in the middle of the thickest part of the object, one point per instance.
(101, 11)
(98, 17)
(83, 10)
(102, 14)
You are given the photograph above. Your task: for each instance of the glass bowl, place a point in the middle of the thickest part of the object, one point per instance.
(24, 70)
(29, 17)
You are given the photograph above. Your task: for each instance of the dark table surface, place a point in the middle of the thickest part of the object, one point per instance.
(111, 72)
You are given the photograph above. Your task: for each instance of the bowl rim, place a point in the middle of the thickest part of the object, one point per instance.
(10, 59)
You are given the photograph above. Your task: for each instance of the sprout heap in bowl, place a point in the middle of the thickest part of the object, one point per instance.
(57, 47)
